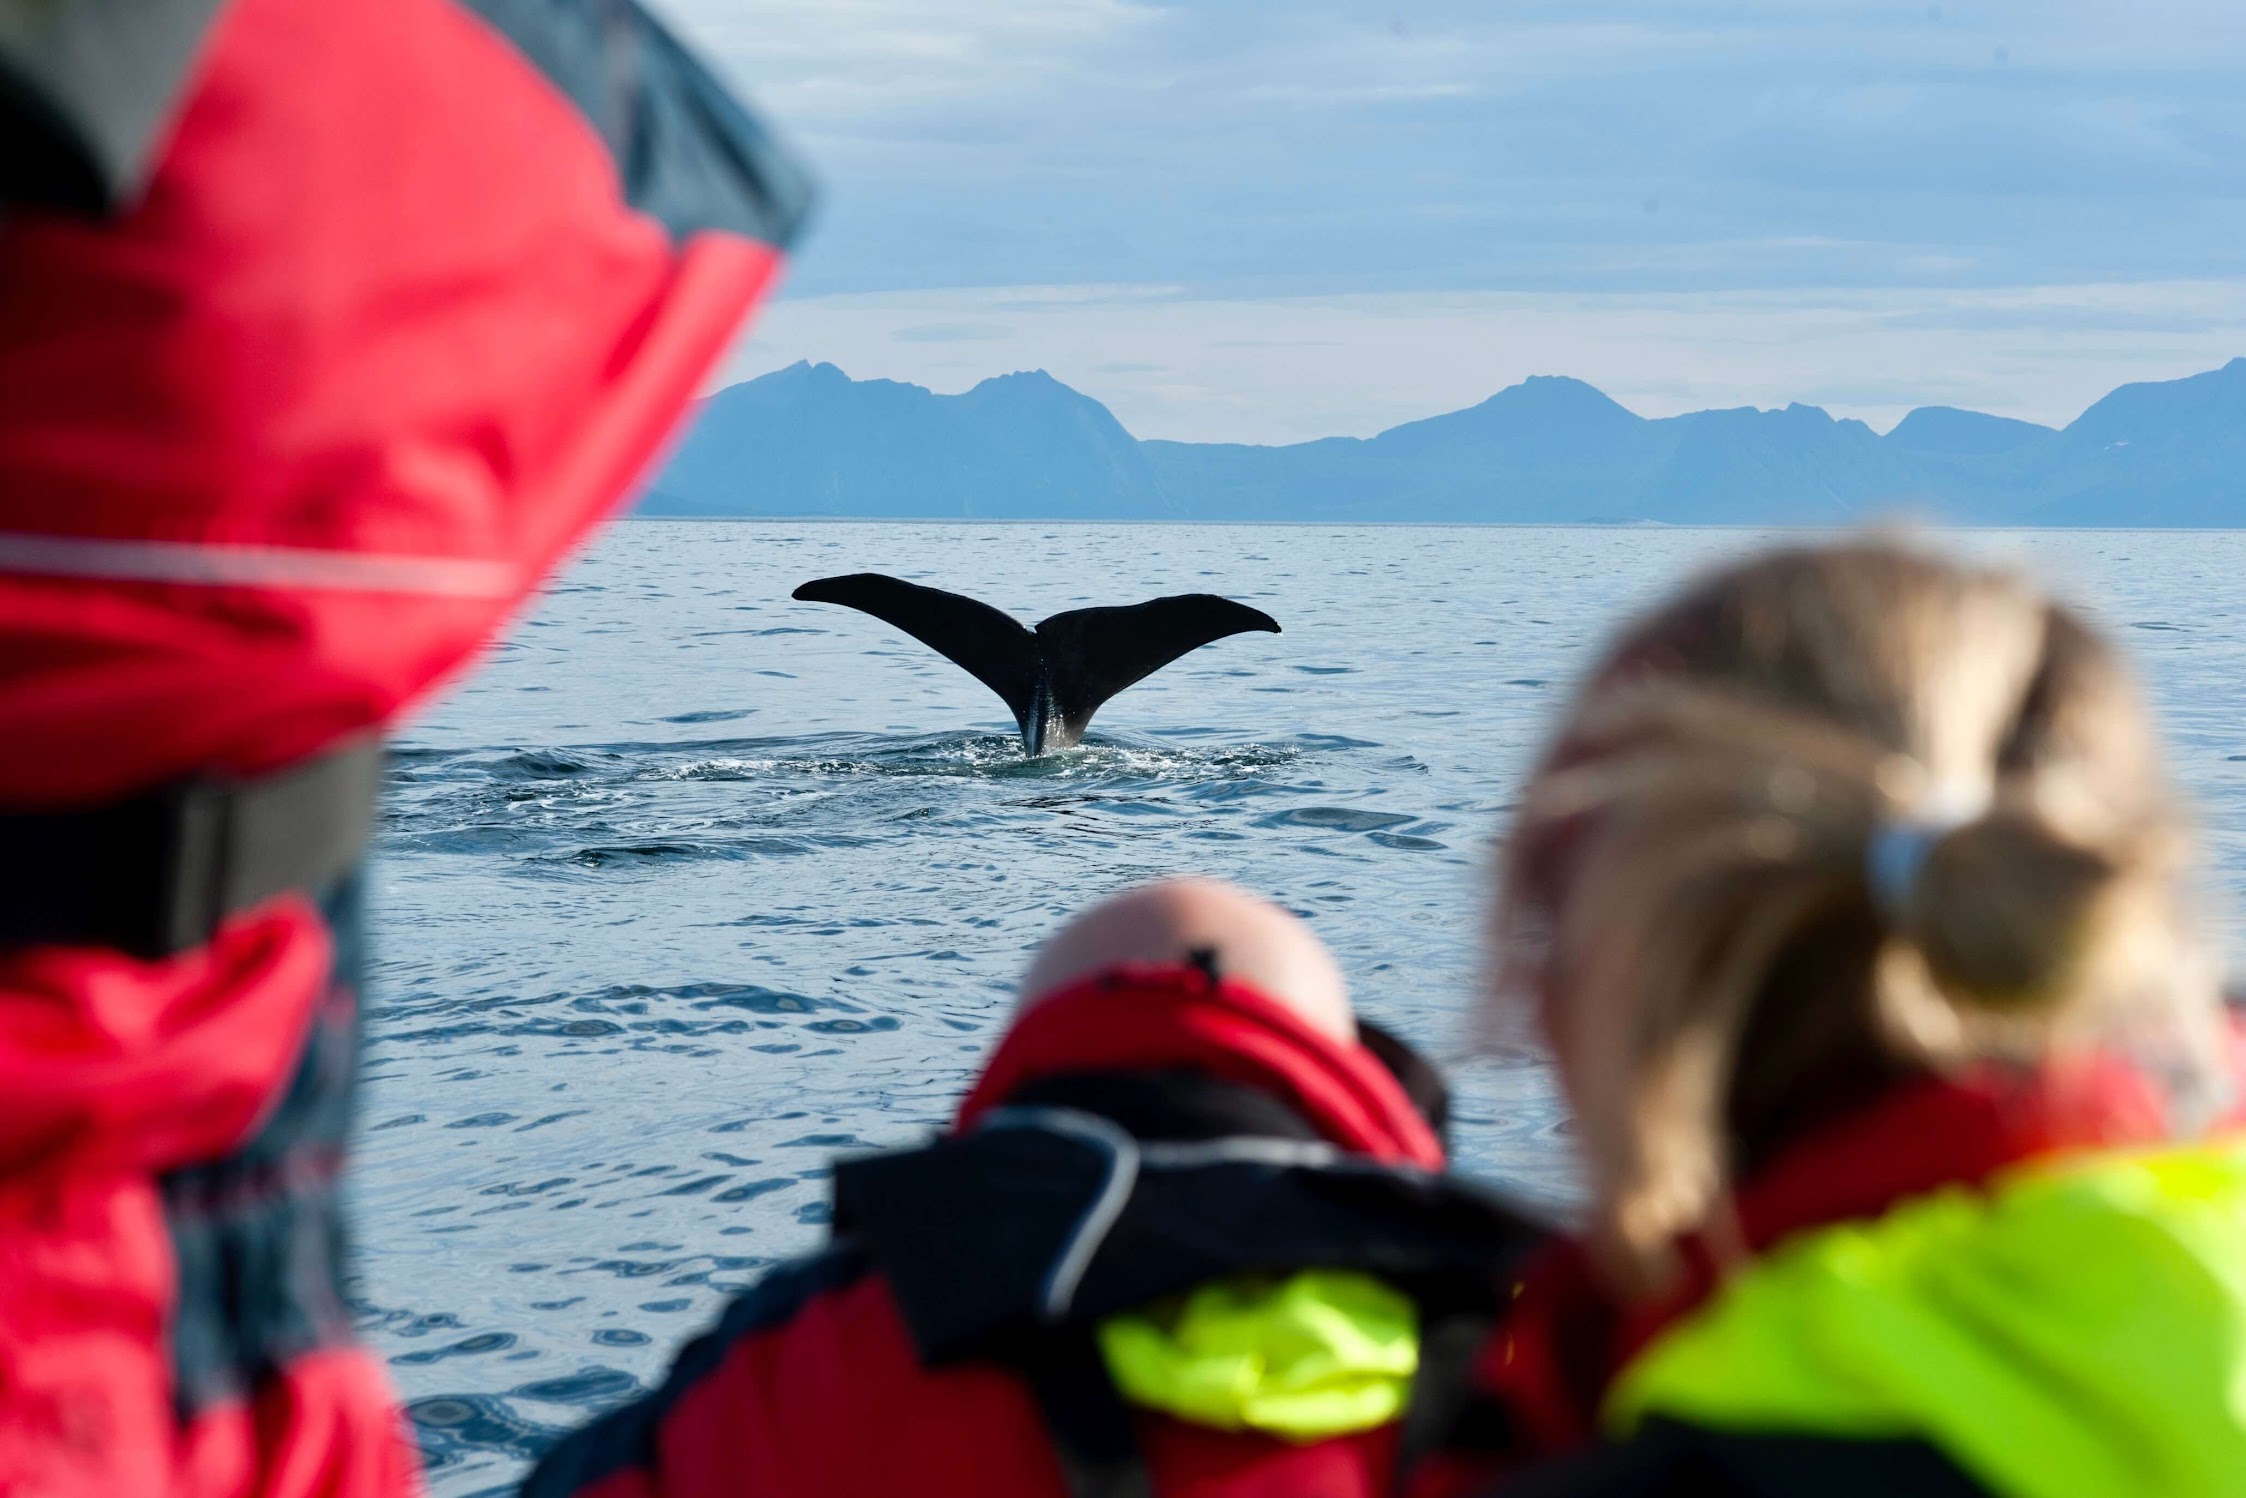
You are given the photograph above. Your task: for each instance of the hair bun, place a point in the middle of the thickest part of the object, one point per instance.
(2004, 910)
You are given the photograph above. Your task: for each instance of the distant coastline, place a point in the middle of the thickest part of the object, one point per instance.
(809, 443)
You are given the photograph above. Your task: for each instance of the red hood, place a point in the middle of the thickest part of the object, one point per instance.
(281, 446)
(1141, 1018)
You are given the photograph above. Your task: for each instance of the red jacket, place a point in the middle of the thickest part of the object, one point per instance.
(383, 329)
(915, 1354)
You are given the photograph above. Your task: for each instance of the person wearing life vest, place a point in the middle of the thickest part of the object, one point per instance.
(327, 328)
(1188, 1235)
(1847, 897)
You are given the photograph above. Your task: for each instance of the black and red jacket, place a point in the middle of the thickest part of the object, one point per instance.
(911, 1356)
(1135, 1136)
(327, 328)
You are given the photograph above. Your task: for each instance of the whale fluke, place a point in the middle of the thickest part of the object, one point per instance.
(985, 643)
(1052, 678)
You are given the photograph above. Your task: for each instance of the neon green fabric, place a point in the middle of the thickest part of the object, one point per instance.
(1317, 1354)
(2077, 1332)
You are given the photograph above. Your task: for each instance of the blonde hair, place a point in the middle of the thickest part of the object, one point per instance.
(1690, 897)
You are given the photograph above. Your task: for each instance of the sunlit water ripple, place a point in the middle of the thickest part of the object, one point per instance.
(692, 886)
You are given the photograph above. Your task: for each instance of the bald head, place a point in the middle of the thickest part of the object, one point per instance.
(1251, 940)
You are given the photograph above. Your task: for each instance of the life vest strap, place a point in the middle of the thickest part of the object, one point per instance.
(158, 874)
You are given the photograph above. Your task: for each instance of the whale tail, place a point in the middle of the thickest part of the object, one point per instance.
(1052, 678)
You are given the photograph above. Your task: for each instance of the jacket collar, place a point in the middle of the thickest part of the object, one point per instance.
(1148, 1018)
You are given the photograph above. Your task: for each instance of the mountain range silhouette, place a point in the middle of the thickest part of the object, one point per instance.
(810, 441)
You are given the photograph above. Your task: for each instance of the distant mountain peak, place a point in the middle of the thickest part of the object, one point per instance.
(1029, 382)
(1551, 410)
(1556, 390)
(1946, 429)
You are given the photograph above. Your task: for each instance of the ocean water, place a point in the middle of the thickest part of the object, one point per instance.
(691, 886)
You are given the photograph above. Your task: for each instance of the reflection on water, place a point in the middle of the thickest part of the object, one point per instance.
(693, 886)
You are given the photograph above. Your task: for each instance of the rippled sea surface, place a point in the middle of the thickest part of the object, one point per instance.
(691, 886)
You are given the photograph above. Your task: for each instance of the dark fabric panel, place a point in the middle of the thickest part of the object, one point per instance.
(1668, 1459)
(1421, 1082)
(969, 1230)
(1086, 1417)
(626, 1438)
(157, 874)
(258, 1237)
(689, 154)
(87, 88)
(1443, 1406)
(966, 1230)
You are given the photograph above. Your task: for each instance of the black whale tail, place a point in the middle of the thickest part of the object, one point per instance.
(1054, 677)
(974, 636)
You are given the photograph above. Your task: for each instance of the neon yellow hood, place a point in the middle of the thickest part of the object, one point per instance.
(2078, 1331)
(1316, 1354)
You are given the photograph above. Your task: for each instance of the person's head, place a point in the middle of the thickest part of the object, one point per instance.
(1832, 817)
(1206, 922)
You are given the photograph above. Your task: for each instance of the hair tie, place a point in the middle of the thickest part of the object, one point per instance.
(1899, 847)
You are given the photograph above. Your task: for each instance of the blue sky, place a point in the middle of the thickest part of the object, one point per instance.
(1264, 220)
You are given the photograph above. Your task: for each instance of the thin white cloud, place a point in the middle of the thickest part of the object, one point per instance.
(857, 66)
